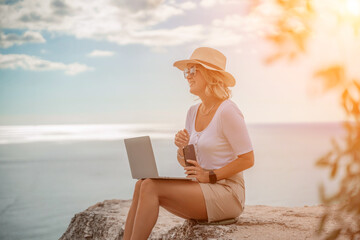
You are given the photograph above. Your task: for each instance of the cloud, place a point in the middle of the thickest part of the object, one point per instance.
(100, 53)
(127, 22)
(162, 37)
(13, 61)
(187, 5)
(138, 5)
(208, 3)
(219, 37)
(8, 1)
(8, 40)
(60, 8)
(100, 20)
(233, 29)
(212, 3)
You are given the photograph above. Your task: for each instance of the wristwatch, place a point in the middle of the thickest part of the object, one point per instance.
(212, 176)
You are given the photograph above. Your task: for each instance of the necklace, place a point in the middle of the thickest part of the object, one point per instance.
(204, 114)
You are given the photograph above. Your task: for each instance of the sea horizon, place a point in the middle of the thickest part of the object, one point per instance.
(12, 134)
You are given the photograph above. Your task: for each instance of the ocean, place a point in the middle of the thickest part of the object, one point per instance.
(48, 173)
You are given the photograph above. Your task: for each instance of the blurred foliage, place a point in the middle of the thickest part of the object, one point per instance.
(344, 157)
(293, 28)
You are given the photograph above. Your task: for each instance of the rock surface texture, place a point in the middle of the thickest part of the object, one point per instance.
(106, 220)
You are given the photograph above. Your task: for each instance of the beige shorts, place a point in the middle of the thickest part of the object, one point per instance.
(225, 199)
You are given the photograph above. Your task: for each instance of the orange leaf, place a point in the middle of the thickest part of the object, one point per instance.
(332, 76)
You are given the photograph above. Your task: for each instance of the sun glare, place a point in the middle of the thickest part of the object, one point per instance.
(353, 7)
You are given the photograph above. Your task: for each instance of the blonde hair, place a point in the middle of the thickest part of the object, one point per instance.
(215, 83)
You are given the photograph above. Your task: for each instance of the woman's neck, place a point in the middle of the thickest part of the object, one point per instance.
(209, 102)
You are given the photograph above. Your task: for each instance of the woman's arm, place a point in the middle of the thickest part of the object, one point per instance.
(242, 163)
(180, 157)
(181, 140)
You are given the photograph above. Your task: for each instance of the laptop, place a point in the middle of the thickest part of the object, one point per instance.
(142, 160)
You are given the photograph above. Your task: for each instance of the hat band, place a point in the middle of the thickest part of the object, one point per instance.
(210, 65)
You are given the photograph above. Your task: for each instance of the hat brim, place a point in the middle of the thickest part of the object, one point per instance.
(182, 64)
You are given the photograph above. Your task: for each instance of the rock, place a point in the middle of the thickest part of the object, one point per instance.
(106, 220)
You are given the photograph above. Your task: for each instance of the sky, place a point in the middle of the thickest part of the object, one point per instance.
(99, 62)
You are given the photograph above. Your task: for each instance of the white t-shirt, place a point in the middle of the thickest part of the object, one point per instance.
(223, 139)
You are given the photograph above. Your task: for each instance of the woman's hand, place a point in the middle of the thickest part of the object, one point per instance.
(197, 172)
(182, 138)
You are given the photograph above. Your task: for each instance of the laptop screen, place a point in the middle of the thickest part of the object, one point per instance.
(141, 157)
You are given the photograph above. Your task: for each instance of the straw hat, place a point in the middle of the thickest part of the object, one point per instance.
(211, 59)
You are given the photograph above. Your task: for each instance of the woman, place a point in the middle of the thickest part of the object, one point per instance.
(217, 129)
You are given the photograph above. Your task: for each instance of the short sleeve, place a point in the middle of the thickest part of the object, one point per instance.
(234, 129)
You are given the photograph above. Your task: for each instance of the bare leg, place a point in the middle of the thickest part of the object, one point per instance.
(147, 212)
(183, 198)
(132, 211)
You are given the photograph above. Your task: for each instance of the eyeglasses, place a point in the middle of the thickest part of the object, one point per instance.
(190, 72)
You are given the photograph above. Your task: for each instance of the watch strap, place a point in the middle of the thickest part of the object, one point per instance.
(212, 177)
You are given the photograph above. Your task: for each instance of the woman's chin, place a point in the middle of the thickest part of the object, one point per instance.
(193, 91)
(197, 91)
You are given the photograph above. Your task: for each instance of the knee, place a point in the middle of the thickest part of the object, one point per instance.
(137, 189)
(148, 186)
(138, 184)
